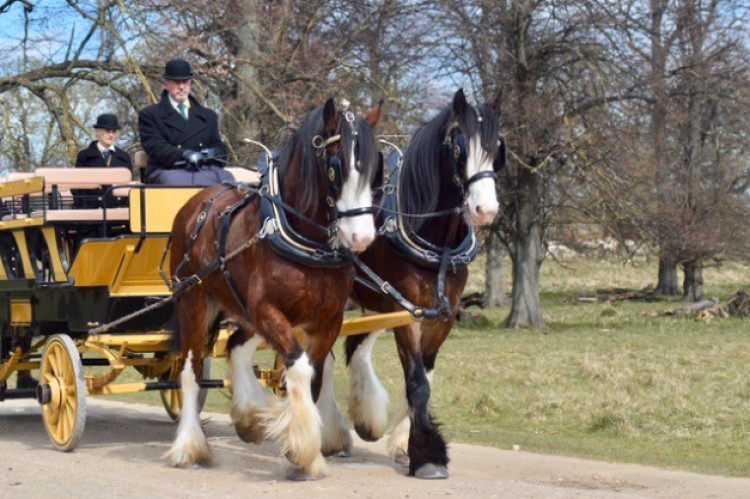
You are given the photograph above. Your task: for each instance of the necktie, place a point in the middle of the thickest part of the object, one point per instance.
(182, 109)
(106, 155)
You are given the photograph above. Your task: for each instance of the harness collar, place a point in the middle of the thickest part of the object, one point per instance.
(409, 244)
(280, 234)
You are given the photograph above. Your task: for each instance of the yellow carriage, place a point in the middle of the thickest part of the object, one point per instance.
(84, 287)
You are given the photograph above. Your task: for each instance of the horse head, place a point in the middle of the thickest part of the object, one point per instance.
(350, 162)
(326, 171)
(476, 153)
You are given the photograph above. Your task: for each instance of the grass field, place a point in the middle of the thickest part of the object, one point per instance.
(600, 381)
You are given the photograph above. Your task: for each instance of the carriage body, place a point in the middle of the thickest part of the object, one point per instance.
(65, 272)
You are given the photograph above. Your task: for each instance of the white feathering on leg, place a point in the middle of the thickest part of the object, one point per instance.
(336, 436)
(398, 433)
(248, 395)
(368, 400)
(190, 446)
(295, 423)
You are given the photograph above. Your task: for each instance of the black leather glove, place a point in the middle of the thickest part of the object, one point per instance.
(192, 158)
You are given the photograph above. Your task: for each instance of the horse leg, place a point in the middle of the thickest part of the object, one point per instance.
(398, 433)
(368, 400)
(336, 438)
(248, 395)
(295, 422)
(195, 315)
(428, 455)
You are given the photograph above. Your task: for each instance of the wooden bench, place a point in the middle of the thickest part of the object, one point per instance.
(61, 181)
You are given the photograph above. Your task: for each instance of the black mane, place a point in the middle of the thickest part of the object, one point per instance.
(426, 162)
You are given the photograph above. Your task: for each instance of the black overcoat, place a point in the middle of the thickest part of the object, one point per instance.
(91, 157)
(165, 134)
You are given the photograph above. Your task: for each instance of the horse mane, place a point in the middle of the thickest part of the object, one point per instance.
(301, 140)
(421, 178)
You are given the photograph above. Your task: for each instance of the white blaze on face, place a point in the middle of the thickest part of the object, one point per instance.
(355, 232)
(482, 205)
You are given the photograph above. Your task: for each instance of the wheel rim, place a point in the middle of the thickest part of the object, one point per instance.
(63, 414)
(172, 399)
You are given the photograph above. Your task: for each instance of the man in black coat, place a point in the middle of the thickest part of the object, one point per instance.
(101, 153)
(180, 136)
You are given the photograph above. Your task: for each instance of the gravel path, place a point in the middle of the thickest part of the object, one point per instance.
(119, 456)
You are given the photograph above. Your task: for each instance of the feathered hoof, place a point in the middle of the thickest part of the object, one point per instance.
(295, 474)
(315, 471)
(431, 471)
(367, 434)
(401, 458)
(248, 426)
(340, 445)
(190, 455)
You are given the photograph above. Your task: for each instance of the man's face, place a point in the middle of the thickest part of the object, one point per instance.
(105, 136)
(178, 90)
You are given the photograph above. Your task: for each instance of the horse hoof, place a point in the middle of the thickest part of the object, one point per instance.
(431, 471)
(366, 434)
(250, 435)
(402, 459)
(295, 474)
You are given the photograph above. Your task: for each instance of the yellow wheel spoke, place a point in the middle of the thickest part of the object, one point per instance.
(70, 414)
(59, 431)
(59, 362)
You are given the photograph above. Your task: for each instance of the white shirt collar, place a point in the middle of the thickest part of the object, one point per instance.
(175, 103)
(102, 149)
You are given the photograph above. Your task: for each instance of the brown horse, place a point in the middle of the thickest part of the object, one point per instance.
(452, 162)
(322, 187)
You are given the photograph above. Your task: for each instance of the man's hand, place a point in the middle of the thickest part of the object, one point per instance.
(192, 158)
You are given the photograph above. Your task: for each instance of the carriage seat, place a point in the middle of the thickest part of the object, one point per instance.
(61, 182)
(243, 174)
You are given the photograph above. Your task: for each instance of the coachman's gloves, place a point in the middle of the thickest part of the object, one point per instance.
(192, 158)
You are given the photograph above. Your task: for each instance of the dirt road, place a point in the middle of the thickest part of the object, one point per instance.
(120, 457)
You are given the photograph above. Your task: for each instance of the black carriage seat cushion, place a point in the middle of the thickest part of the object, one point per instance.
(66, 179)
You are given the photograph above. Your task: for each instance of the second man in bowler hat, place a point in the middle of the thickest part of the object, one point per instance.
(101, 153)
(180, 136)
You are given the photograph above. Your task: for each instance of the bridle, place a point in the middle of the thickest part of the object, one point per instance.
(455, 145)
(332, 165)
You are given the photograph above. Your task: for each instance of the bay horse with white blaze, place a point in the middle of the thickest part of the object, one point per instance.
(320, 200)
(448, 177)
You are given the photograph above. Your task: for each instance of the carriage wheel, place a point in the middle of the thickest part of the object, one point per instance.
(62, 392)
(172, 399)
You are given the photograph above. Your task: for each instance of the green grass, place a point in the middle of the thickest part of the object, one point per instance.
(600, 381)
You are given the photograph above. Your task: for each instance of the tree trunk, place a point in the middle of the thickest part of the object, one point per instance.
(248, 55)
(526, 307)
(667, 284)
(692, 284)
(493, 275)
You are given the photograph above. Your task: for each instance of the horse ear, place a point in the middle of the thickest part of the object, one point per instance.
(373, 116)
(459, 102)
(330, 117)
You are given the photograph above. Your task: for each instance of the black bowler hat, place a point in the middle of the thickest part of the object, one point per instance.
(177, 69)
(108, 121)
